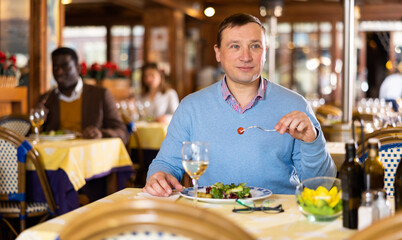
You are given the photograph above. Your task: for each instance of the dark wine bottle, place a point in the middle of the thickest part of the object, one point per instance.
(373, 168)
(398, 187)
(351, 175)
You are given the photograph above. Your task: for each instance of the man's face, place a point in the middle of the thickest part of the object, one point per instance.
(242, 53)
(65, 72)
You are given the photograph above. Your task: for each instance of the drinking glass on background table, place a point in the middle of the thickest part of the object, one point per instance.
(195, 159)
(37, 118)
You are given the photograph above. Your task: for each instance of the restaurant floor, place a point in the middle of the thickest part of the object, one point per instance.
(7, 234)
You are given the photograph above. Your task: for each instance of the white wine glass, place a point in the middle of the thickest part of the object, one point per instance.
(195, 159)
(37, 118)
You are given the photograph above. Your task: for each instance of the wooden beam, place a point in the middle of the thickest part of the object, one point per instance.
(135, 5)
(62, 23)
(37, 50)
(100, 15)
(184, 6)
(73, 2)
(176, 58)
(80, 20)
(381, 12)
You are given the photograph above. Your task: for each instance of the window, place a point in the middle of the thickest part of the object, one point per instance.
(89, 43)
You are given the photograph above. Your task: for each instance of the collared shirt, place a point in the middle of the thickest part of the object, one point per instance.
(229, 98)
(76, 94)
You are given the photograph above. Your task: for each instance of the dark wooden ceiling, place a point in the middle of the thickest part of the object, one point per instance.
(104, 12)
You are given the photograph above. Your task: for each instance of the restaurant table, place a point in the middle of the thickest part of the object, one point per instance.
(337, 152)
(290, 224)
(72, 165)
(151, 136)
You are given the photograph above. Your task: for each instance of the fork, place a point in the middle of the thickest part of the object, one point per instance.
(241, 130)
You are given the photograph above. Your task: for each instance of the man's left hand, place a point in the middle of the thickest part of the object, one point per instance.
(298, 125)
(92, 132)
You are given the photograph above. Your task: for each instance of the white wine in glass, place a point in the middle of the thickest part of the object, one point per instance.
(37, 118)
(195, 159)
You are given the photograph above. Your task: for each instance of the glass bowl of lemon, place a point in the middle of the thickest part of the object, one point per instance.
(320, 198)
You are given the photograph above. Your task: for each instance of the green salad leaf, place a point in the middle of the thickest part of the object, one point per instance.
(229, 191)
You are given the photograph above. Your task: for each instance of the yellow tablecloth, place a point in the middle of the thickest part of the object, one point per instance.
(151, 135)
(288, 225)
(83, 158)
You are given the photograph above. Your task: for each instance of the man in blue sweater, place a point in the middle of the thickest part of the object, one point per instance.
(274, 160)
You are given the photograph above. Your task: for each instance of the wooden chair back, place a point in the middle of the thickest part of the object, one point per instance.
(133, 217)
(15, 152)
(390, 153)
(391, 132)
(17, 122)
(387, 228)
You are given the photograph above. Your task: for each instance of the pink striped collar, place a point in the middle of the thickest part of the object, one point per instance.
(227, 95)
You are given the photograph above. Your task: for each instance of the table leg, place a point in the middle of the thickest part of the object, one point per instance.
(111, 183)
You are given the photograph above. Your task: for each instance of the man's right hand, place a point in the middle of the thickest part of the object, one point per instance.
(160, 184)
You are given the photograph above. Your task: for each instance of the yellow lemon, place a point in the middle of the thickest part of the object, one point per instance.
(321, 191)
(321, 200)
(335, 200)
(307, 194)
(333, 191)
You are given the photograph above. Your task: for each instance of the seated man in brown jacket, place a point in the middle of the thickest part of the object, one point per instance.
(79, 107)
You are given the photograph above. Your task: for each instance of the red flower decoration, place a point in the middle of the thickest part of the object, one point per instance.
(127, 72)
(96, 67)
(2, 57)
(106, 70)
(13, 59)
(7, 65)
(84, 69)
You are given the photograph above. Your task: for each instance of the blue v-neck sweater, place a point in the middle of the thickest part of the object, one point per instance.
(262, 159)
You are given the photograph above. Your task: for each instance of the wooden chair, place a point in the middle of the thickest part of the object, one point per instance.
(393, 132)
(147, 217)
(140, 172)
(390, 153)
(366, 117)
(15, 151)
(388, 228)
(17, 122)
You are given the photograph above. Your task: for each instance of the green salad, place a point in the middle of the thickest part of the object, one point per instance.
(53, 133)
(228, 191)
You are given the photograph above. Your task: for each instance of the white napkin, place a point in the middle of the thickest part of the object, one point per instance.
(175, 195)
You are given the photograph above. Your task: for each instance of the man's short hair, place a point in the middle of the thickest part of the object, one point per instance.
(66, 51)
(238, 19)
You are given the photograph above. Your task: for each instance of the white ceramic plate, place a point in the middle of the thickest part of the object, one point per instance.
(256, 193)
(57, 137)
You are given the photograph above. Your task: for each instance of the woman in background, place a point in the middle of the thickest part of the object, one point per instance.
(156, 92)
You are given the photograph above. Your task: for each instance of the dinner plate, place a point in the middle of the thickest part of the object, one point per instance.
(256, 193)
(59, 137)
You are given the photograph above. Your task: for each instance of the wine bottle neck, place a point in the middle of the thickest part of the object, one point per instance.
(373, 153)
(350, 152)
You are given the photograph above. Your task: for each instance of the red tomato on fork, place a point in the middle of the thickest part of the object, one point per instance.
(240, 130)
